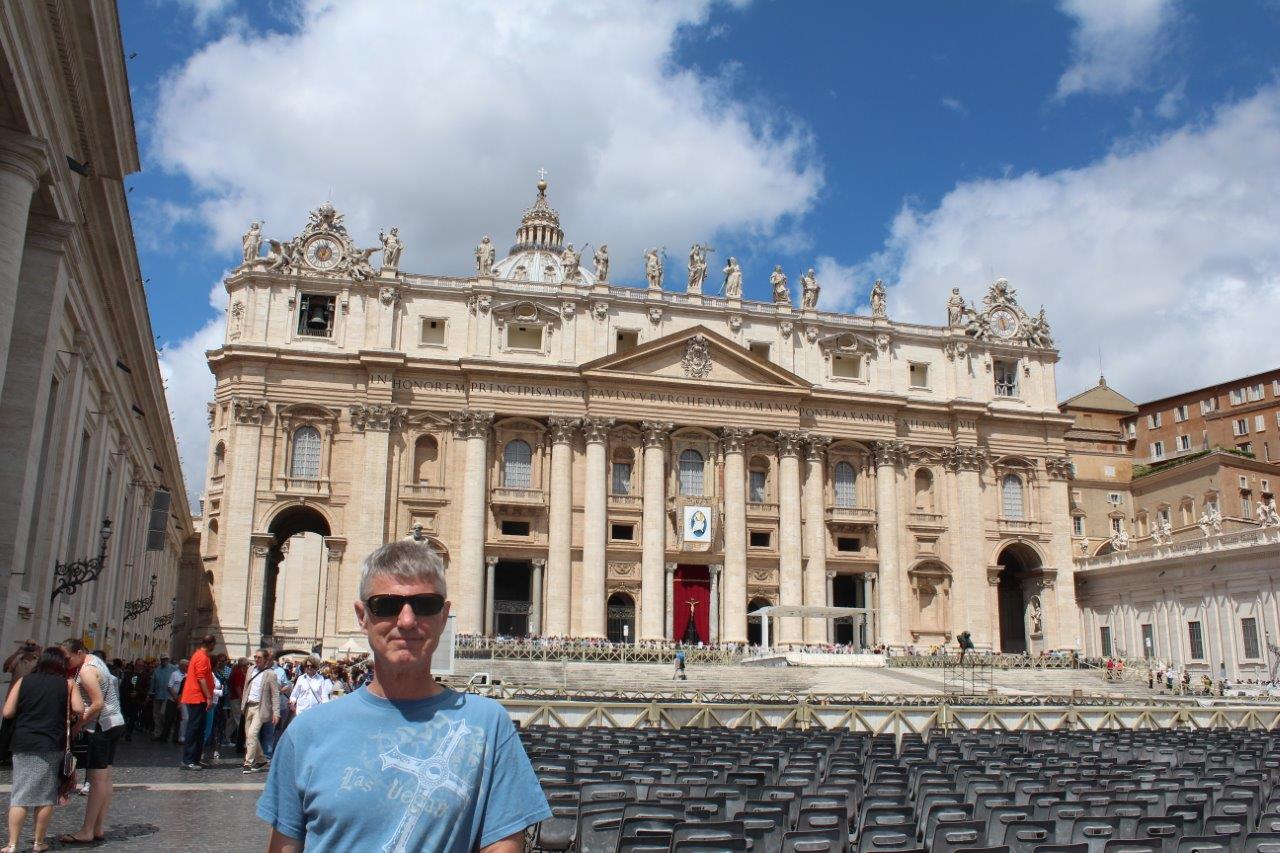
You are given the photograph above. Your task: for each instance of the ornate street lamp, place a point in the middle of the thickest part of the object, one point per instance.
(161, 621)
(135, 608)
(70, 577)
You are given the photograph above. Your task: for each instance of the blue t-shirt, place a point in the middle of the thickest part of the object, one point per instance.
(365, 773)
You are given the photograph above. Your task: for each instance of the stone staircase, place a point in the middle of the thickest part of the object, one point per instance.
(656, 678)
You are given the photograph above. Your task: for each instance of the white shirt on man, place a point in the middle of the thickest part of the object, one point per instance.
(255, 685)
(175, 683)
(309, 691)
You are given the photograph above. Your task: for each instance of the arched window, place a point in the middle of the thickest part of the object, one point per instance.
(846, 481)
(757, 486)
(1011, 496)
(517, 465)
(425, 452)
(211, 538)
(219, 459)
(691, 473)
(305, 462)
(924, 490)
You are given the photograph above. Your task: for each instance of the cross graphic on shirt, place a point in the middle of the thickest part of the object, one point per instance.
(431, 774)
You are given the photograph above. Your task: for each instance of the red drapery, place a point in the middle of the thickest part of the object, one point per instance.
(692, 583)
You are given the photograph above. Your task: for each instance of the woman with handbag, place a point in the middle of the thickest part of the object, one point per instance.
(42, 706)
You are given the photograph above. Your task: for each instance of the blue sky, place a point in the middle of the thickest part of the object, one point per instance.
(1118, 161)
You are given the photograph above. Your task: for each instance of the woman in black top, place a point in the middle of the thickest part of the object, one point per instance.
(38, 706)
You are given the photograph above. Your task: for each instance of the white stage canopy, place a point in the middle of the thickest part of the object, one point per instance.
(799, 611)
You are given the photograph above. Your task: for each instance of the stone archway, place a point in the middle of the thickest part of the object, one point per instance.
(753, 625)
(292, 521)
(621, 618)
(1019, 570)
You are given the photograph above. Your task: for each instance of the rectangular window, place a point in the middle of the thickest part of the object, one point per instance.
(1196, 638)
(1275, 388)
(524, 337)
(1237, 396)
(1266, 486)
(622, 532)
(515, 528)
(627, 339)
(1240, 426)
(1259, 423)
(760, 348)
(1006, 377)
(1246, 506)
(757, 488)
(1157, 450)
(1255, 392)
(1108, 470)
(1116, 524)
(1132, 429)
(1249, 631)
(759, 538)
(1184, 442)
(919, 375)
(1148, 641)
(1246, 447)
(848, 543)
(1207, 406)
(1077, 524)
(432, 332)
(1115, 498)
(1153, 420)
(622, 478)
(1105, 633)
(1244, 481)
(1165, 515)
(1180, 413)
(846, 366)
(315, 315)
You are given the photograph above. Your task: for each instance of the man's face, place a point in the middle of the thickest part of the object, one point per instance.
(74, 659)
(404, 639)
(261, 661)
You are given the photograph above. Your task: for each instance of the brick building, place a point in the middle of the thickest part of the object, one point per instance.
(1243, 414)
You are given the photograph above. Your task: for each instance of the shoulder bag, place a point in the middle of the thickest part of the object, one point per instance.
(67, 774)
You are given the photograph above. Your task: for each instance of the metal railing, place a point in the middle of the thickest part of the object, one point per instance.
(995, 661)
(494, 648)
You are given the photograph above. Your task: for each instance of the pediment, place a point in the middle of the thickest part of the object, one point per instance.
(698, 355)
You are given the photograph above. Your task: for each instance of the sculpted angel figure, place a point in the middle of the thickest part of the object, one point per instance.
(1039, 333)
(878, 308)
(653, 269)
(733, 279)
(251, 242)
(281, 254)
(1120, 541)
(781, 290)
(955, 308)
(697, 268)
(392, 246)
(809, 290)
(602, 263)
(361, 269)
(570, 260)
(485, 255)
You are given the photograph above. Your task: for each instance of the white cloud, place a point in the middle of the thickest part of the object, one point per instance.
(955, 106)
(1171, 101)
(205, 12)
(840, 284)
(1164, 253)
(435, 117)
(1115, 43)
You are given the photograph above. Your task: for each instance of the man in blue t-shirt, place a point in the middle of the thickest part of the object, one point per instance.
(405, 764)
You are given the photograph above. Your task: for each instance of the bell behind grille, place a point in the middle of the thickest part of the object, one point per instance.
(316, 318)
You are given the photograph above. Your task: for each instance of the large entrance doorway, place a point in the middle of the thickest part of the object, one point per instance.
(754, 627)
(511, 597)
(1018, 565)
(299, 532)
(691, 605)
(849, 591)
(621, 625)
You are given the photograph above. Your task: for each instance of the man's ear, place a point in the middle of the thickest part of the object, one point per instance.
(359, 605)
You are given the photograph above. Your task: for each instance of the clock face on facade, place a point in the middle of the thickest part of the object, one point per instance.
(1004, 323)
(323, 253)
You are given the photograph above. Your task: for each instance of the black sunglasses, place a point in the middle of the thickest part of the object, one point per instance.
(423, 604)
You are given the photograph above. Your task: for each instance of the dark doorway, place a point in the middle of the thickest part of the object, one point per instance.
(621, 626)
(1018, 561)
(691, 604)
(511, 597)
(754, 637)
(846, 591)
(289, 522)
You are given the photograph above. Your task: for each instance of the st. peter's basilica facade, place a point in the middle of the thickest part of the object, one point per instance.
(593, 460)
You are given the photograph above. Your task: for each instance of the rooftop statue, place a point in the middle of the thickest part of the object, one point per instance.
(251, 242)
(733, 279)
(878, 308)
(392, 246)
(956, 309)
(781, 288)
(602, 263)
(809, 290)
(485, 255)
(569, 259)
(697, 267)
(653, 269)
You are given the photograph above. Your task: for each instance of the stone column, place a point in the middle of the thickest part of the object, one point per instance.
(815, 534)
(594, 534)
(490, 570)
(560, 534)
(735, 535)
(971, 601)
(790, 569)
(23, 159)
(471, 428)
(653, 537)
(831, 597)
(535, 597)
(1061, 629)
(236, 591)
(715, 601)
(670, 613)
(335, 548)
(887, 454)
(374, 424)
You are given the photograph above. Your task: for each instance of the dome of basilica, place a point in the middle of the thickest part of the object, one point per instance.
(539, 251)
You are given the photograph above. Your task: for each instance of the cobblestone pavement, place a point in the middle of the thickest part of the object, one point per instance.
(158, 806)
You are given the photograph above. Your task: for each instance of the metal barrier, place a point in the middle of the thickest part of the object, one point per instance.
(488, 648)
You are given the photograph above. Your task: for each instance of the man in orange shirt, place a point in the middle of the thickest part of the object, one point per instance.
(197, 697)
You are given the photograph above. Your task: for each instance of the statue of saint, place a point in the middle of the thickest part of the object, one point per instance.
(781, 290)
(251, 241)
(878, 308)
(697, 268)
(570, 259)
(733, 279)
(955, 308)
(653, 269)
(1038, 333)
(485, 255)
(602, 263)
(392, 246)
(1037, 617)
(809, 290)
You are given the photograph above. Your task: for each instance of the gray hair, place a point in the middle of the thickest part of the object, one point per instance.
(404, 560)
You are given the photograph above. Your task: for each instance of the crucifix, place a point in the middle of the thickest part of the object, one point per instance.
(691, 634)
(431, 774)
